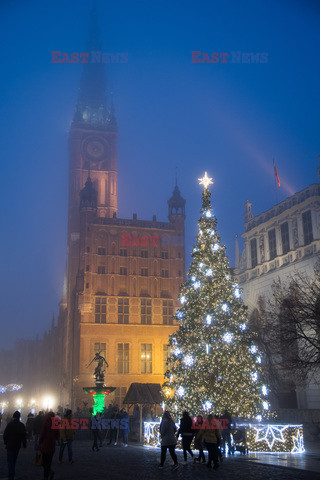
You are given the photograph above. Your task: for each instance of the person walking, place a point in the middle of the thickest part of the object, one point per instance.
(186, 433)
(37, 425)
(226, 421)
(198, 441)
(13, 436)
(168, 439)
(124, 426)
(96, 429)
(29, 426)
(66, 436)
(211, 438)
(47, 444)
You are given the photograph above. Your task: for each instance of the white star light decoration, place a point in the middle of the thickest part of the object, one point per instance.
(270, 434)
(205, 181)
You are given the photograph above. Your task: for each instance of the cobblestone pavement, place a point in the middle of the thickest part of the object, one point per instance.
(140, 463)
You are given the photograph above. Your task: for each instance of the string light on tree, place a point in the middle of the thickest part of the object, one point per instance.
(215, 366)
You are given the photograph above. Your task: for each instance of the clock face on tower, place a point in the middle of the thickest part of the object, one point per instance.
(95, 150)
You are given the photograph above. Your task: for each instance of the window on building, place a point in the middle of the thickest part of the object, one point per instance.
(123, 270)
(87, 268)
(144, 253)
(164, 255)
(123, 357)
(101, 251)
(165, 273)
(101, 269)
(144, 272)
(145, 307)
(123, 310)
(272, 244)
(123, 252)
(146, 358)
(285, 238)
(100, 309)
(254, 256)
(120, 394)
(307, 227)
(165, 357)
(100, 348)
(167, 312)
(87, 285)
(88, 249)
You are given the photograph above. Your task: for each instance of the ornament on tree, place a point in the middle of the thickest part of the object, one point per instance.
(213, 362)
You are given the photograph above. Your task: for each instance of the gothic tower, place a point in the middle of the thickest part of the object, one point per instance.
(92, 151)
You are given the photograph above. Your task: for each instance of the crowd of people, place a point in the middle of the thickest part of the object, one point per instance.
(211, 433)
(40, 431)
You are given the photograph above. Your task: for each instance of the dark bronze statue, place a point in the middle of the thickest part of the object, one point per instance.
(99, 370)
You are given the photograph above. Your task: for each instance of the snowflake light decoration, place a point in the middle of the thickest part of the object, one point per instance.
(225, 307)
(237, 293)
(227, 337)
(189, 360)
(207, 405)
(180, 391)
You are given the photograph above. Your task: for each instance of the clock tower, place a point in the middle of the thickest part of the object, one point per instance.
(92, 154)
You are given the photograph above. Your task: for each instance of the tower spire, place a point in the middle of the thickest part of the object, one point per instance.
(92, 105)
(176, 203)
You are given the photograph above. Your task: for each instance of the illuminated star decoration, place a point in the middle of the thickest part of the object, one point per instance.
(298, 443)
(270, 434)
(205, 181)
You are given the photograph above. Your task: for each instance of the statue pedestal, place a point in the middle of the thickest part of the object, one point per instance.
(99, 392)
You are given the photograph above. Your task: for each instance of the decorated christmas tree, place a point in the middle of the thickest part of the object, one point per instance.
(213, 364)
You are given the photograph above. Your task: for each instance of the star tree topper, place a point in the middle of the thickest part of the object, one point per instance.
(205, 181)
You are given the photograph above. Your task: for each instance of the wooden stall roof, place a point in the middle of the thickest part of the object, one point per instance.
(143, 394)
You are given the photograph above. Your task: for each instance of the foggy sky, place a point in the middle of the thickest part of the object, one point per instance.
(228, 119)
